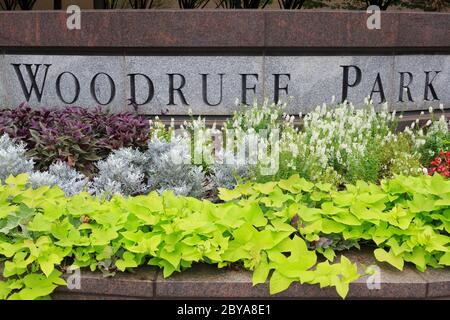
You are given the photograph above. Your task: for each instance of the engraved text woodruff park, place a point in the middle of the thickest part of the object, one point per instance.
(210, 85)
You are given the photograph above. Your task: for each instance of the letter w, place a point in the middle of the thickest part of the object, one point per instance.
(32, 75)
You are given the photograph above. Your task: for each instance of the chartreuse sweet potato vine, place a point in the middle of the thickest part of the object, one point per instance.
(42, 232)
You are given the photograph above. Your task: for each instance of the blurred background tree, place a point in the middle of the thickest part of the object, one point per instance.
(26, 4)
(299, 4)
(13, 4)
(192, 4)
(8, 4)
(141, 4)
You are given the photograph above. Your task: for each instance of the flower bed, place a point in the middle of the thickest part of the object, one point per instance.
(284, 226)
(125, 154)
(260, 193)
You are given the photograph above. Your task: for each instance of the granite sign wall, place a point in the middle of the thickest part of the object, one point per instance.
(210, 85)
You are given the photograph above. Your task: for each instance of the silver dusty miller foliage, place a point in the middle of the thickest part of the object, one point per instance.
(170, 167)
(163, 166)
(13, 161)
(12, 158)
(121, 173)
(229, 171)
(38, 179)
(62, 175)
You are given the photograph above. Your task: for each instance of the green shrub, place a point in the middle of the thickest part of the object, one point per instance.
(42, 232)
(399, 156)
(407, 218)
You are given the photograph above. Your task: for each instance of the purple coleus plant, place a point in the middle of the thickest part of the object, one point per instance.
(75, 135)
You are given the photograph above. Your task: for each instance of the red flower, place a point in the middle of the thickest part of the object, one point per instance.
(441, 164)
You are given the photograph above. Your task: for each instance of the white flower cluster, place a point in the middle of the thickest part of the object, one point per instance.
(331, 142)
(336, 136)
(256, 117)
(439, 127)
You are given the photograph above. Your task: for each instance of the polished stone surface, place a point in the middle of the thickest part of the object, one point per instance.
(316, 79)
(225, 29)
(406, 284)
(139, 284)
(83, 67)
(417, 65)
(208, 281)
(438, 282)
(195, 82)
(3, 96)
(158, 68)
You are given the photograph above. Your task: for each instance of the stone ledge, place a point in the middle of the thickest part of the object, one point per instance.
(140, 284)
(224, 30)
(208, 282)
